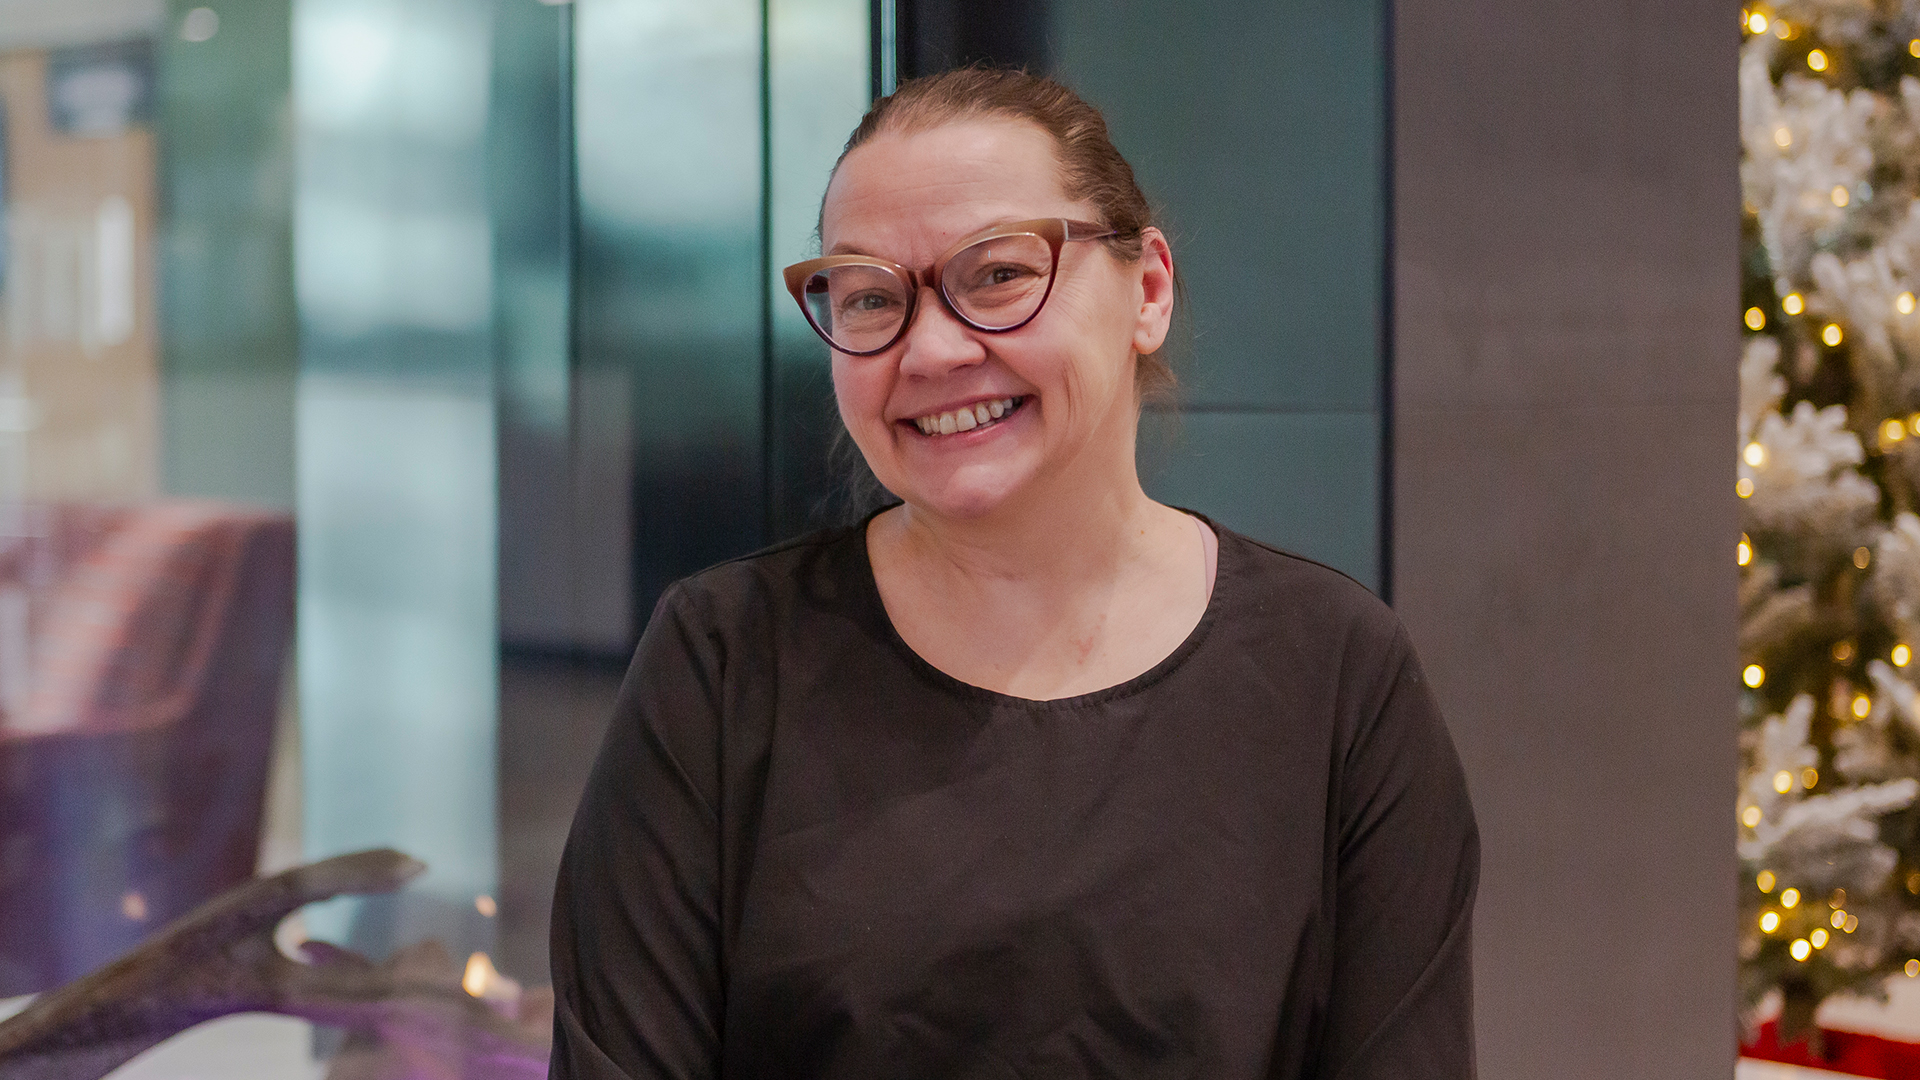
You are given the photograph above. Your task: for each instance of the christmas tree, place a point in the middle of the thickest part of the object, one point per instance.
(1829, 480)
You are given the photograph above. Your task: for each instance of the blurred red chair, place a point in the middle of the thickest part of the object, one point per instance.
(141, 657)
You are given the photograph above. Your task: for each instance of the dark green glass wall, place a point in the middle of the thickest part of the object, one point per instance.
(230, 344)
(1259, 129)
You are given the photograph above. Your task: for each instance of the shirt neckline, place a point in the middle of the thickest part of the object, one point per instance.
(1226, 572)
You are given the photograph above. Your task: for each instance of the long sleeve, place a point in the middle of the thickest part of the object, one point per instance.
(1408, 867)
(636, 916)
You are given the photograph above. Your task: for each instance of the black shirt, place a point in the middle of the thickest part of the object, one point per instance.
(806, 852)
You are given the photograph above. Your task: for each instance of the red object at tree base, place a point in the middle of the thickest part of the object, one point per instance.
(1846, 1052)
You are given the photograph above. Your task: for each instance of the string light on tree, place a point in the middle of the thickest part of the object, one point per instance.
(1901, 655)
(1769, 922)
(1800, 950)
(1755, 319)
(1903, 303)
(1753, 675)
(1832, 335)
(1792, 303)
(1765, 881)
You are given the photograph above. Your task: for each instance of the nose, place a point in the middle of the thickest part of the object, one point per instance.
(937, 342)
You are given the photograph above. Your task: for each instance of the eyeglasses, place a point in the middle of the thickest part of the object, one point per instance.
(993, 281)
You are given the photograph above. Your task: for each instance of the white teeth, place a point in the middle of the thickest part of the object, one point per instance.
(965, 418)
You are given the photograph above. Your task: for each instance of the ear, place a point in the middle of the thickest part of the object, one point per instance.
(1156, 292)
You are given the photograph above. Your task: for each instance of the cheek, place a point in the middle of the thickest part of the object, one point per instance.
(860, 391)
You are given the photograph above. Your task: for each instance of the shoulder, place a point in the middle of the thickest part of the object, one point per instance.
(1300, 602)
(769, 584)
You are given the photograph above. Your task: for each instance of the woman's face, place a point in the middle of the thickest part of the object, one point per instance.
(1067, 375)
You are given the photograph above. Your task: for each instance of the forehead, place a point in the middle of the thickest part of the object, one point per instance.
(907, 195)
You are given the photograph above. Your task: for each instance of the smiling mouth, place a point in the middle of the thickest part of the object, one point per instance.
(979, 414)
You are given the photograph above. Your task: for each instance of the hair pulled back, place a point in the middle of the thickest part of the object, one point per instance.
(1091, 168)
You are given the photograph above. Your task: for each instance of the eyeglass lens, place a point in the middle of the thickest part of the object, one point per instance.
(995, 284)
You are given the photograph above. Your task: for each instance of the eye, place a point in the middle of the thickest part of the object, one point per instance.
(867, 302)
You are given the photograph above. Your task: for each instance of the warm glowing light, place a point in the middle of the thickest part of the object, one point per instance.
(1754, 455)
(1800, 950)
(1790, 898)
(1853, 923)
(1902, 656)
(1756, 319)
(1862, 705)
(1862, 556)
(1743, 487)
(1754, 675)
(486, 906)
(1817, 60)
(1913, 882)
(1791, 303)
(1783, 781)
(1839, 919)
(134, 907)
(1769, 922)
(1756, 22)
(1819, 937)
(1782, 30)
(1809, 776)
(1903, 303)
(1744, 553)
(1838, 899)
(479, 975)
(1766, 881)
(1913, 966)
(1842, 651)
(1750, 817)
(1832, 335)
(1893, 431)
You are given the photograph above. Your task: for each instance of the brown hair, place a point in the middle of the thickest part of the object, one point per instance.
(1091, 168)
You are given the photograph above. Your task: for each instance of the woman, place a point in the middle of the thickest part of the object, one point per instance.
(1028, 775)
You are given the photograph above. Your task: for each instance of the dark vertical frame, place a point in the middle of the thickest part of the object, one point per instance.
(769, 403)
(1384, 585)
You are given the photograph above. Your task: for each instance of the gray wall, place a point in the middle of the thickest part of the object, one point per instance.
(1565, 234)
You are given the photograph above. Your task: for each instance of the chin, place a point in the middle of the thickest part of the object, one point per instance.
(965, 497)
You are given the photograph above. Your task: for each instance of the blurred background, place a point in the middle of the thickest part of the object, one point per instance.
(368, 367)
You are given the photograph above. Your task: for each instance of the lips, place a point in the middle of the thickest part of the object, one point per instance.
(967, 417)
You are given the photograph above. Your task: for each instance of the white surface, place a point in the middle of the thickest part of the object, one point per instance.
(250, 1047)
(253, 1046)
(1749, 1069)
